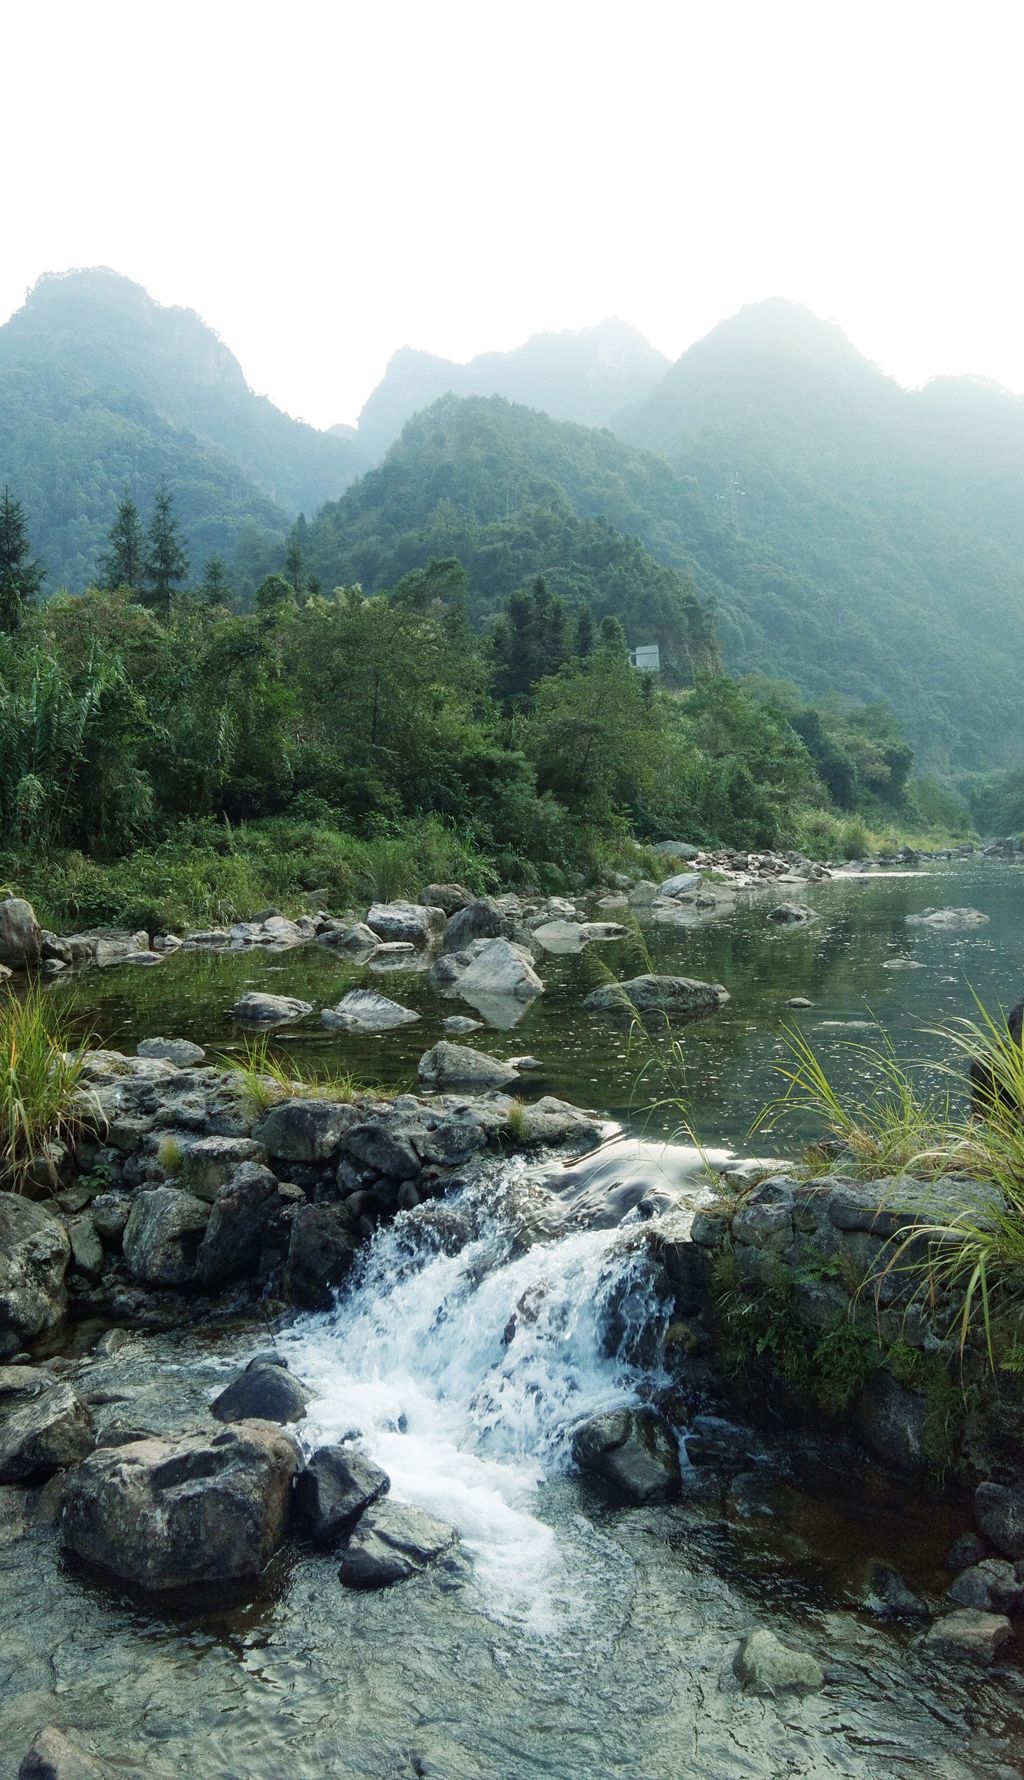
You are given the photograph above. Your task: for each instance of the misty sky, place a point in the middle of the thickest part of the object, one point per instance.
(325, 182)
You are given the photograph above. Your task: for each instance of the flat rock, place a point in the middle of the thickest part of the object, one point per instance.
(256, 1009)
(179, 1051)
(686, 997)
(334, 1489)
(768, 1667)
(970, 1635)
(363, 1010)
(393, 1542)
(163, 1514)
(53, 1756)
(950, 919)
(459, 1066)
(207, 1163)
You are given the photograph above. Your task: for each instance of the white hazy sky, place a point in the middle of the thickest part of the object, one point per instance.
(325, 181)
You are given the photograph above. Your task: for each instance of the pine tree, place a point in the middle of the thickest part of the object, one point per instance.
(167, 565)
(20, 576)
(584, 631)
(214, 590)
(124, 564)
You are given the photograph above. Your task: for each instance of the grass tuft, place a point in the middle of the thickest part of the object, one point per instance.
(40, 1078)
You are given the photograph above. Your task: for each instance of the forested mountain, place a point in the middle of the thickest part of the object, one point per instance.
(586, 376)
(513, 495)
(101, 388)
(900, 515)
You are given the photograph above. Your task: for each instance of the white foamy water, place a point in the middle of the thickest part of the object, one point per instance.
(464, 1375)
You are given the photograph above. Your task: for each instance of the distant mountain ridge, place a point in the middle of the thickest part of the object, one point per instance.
(585, 375)
(101, 387)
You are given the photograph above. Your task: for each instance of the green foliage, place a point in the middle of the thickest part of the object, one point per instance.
(166, 565)
(124, 564)
(267, 1078)
(763, 1340)
(40, 1078)
(20, 577)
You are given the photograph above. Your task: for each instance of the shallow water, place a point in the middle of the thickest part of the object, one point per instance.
(591, 1641)
(723, 1072)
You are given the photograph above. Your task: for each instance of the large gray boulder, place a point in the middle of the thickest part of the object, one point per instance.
(393, 1542)
(43, 1425)
(482, 919)
(969, 1635)
(208, 1163)
(264, 1393)
(411, 922)
(450, 898)
(53, 1756)
(334, 1489)
(363, 1010)
(321, 1249)
(162, 1236)
(256, 1009)
(357, 938)
(632, 1449)
(21, 937)
(243, 1212)
(999, 1514)
(459, 1066)
(179, 1051)
(684, 997)
(199, 1508)
(309, 1131)
(682, 883)
(34, 1256)
(500, 970)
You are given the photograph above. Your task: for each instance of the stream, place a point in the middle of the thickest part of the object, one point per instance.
(591, 1641)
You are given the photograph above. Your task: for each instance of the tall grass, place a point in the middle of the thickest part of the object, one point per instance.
(267, 1079)
(40, 1077)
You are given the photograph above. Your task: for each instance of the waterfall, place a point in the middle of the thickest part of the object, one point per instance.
(463, 1354)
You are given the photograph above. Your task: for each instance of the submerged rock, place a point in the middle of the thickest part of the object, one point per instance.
(685, 996)
(791, 914)
(768, 1667)
(393, 1542)
(334, 1489)
(948, 918)
(459, 1066)
(363, 1010)
(256, 1009)
(199, 1508)
(53, 1756)
(633, 1449)
(266, 1393)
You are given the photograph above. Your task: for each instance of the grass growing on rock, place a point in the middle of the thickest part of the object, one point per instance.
(40, 1078)
(267, 1079)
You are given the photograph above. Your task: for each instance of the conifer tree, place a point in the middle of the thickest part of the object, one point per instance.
(124, 564)
(20, 576)
(166, 563)
(584, 631)
(214, 589)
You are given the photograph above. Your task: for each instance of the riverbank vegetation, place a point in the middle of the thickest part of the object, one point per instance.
(168, 756)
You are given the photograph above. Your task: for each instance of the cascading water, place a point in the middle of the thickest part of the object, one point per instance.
(461, 1359)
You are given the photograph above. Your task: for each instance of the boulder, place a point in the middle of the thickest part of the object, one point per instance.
(449, 898)
(261, 1393)
(676, 849)
(768, 1667)
(207, 1163)
(309, 1131)
(162, 1236)
(334, 1489)
(991, 1585)
(482, 919)
(163, 1514)
(999, 1514)
(21, 937)
(232, 1243)
(43, 1425)
(682, 884)
(86, 1247)
(970, 1635)
(256, 1009)
(460, 1024)
(320, 1253)
(791, 914)
(410, 922)
(358, 938)
(893, 1422)
(179, 1051)
(363, 1010)
(685, 997)
(632, 1449)
(500, 970)
(459, 1066)
(53, 1756)
(949, 919)
(34, 1255)
(110, 1213)
(393, 1542)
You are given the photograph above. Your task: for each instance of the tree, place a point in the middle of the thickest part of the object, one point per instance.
(124, 563)
(20, 576)
(166, 563)
(584, 631)
(214, 589)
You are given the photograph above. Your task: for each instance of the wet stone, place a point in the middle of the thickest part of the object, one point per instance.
(261, 1393)
(334, 1489)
